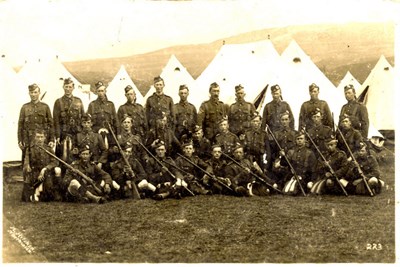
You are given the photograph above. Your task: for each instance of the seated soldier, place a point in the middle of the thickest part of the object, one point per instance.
(42, 176)
(192, 174)
(303, 162)
(352, 137)
(224, 137)
(168, 182)
(318, 131)
(365, 165)
(79, 187)
(123, 176)
(201, 145)
(335, 159)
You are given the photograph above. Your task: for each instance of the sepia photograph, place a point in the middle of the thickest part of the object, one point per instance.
(199, 132)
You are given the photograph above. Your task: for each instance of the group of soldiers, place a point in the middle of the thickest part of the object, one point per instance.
(166, 150)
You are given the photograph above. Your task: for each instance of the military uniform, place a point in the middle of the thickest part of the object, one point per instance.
(319, 134)
(358, 114)
(306, 112)
(138, 151)
(256, 144)
(353, 138)
(286, 138)
(158, 106)
(271, 115)
(96, 144)
(227, 141)
(239, 116)
(103, 111)
(210, 113)
(192, 174)
(186, 118)
(67, 114)
(166, 135)
(138, 115)
(202, 148)
(216, 167)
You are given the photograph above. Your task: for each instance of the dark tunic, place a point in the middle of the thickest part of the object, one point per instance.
(210, 112)
(307, 109)
(239, 116)
(271, 115)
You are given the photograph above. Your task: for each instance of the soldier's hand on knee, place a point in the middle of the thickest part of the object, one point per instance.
(41, 174)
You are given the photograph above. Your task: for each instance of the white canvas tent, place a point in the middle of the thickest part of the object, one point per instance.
(380, 97)
(174, 75)
(348, 79)
(253, 65)
(115, 89)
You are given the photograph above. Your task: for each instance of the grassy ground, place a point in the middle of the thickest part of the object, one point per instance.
(218, 229)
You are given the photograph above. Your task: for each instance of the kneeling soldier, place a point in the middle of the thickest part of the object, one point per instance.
(95, 187)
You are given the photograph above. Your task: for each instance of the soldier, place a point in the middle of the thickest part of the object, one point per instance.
(202, 146)
(34, 115)
(240, 113)
(94, 140)
(273, 109)
(42, 176)
(165, 134)
(211, 112)
(135, 111)
(256, 143)
(365, 164)
(160, 175)
(337, 160)
(67, 113)
(318, 131)
(303, 161)
(352, 136)
(192, 174)
(78, 189)
(103, 112)
(121, 174)
(217, 167)
(185, 112)
(159, 105)
(225, 138)
(308, 107)
(358, 112)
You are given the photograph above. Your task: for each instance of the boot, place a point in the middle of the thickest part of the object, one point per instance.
(96, 199)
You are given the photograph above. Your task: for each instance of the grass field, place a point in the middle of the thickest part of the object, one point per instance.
(204, 229)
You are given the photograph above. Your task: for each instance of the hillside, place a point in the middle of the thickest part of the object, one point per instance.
(335, 48)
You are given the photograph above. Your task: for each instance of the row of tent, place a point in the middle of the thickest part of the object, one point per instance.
(253, 65)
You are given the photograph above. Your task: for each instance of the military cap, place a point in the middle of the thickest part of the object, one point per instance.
(99, 84)
(238, 87)
(312, 87)
(32, 87)
(158, 143)
(225, 118)
(86, 117)
(83, 148)
(183, 86)
(213, 85)
(158, 79)
(275, 88)
(316, 111)
(237, 146)
(345, 116)
(300, 133)
(331, 139)
(68, 81)
(348, 87)
(128, 88)
(285, 113)
(215, 145)
(187, 142)
(197, 128)
(126, 117)
(255, 115)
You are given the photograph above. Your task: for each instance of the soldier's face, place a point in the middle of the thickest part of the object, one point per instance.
(240, 94)
(183, 94)
(285, 121)
(238, 153)
(214, 92)
(276, 95)
(198, 135)
(159, 86)
(216, 152)
(101, 92)
(85, 155)
(300, 140)
(314, 93)
(128, 152)
(131, 96)
(39, 139)
(363, 152)
(34, 95)
(346, 124)
(317, 119)
(188, 151)
(160, 151)
(331, 147)
(87, 124)
(127, 124)
(255, 123)
(68, 88)
(350, 95)
(223, 126)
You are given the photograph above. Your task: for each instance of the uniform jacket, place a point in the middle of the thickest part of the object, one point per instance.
(121, 174)
(303, 161)
(272, 112)
(155, 176)
(186, 117)
(353, 138)
(369, 166)
(239, 116)
(67, 114)
(156, 105)
(337, 160)
(101, 112)
(166, 135)
(319, 134)
(306, 110)
(286, 138)
(138, 114)
(227, 140)
(210, 112)
(95, 143)
(217, 167)
(202, 148)
(90, 169)
(256, 144)
(358, 116)
(189, 168)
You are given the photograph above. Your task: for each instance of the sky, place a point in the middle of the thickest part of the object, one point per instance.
(85, 29)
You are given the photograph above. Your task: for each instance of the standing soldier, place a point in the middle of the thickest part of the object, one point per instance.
(135, 111)
(308, 107)
(357, 112)
(240, 113)
(273, 109)
(211, 112)
(318, 131)
(34, 115)
(67, 113)
(202, 146)
(185, 112)
(102, 112)
(42, 176)
(225, 138)
(159, 105)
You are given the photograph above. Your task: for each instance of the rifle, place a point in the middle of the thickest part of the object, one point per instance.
(135, 191)
(81, 174)
(162, 165)
(327, 163)
(354, 159)
(252, 173)
(287, 160)
(213, 177)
